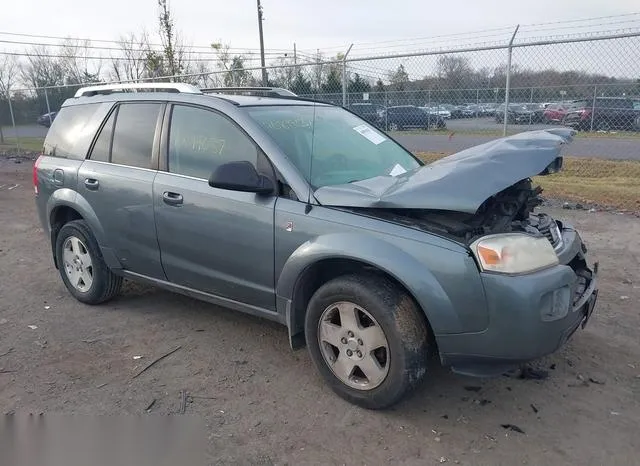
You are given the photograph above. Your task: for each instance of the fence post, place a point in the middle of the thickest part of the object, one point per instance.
(46, 98)
(508, 83)
(593, 105)
(13, 122)
(344, 77)
(386, 106)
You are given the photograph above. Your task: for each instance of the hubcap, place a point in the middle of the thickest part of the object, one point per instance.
(78, 265)
(353, 345)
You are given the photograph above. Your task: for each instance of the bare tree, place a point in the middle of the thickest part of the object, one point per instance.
(131, 63)
(168, 38)
(233, 66)
(76, 63)
(8, 78)
(40, 69)
(284, 74)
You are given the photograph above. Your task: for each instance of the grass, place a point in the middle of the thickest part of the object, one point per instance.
(587, 180)
(26, 144)
(497, 133)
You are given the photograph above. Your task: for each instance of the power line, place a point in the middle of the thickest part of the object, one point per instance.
(111, 41)
(80, 57)
(474, 34)
(120, 49)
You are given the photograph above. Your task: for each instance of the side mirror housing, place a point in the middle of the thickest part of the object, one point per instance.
(240, 176)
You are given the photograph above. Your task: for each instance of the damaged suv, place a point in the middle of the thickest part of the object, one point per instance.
(303, 213)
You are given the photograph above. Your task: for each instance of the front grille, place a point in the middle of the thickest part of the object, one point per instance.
(549, 228)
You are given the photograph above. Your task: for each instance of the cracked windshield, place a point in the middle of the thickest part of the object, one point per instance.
(331, 146)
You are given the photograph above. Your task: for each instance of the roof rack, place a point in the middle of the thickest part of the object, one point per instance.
(136, 87)
(260, 91)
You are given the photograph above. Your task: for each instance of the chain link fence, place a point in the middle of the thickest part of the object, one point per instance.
(442, 101)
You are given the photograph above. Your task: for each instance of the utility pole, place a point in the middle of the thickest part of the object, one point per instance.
(265, 80)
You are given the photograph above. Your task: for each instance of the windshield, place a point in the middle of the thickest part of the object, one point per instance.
(331, 146)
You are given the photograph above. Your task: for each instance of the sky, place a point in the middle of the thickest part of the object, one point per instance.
(327, 24)
(375, 27)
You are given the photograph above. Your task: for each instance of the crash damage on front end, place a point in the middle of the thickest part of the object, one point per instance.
(479, 193)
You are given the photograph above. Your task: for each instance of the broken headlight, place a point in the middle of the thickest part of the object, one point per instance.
(513, 253)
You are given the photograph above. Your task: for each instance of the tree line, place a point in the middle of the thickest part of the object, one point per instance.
(135, 57)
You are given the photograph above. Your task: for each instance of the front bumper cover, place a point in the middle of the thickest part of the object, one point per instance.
(517, 333)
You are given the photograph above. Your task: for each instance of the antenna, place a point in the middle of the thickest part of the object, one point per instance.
(308, 207)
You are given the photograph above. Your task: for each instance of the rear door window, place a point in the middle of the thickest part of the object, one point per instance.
(134, 134)
(73, 130)
(102, 147)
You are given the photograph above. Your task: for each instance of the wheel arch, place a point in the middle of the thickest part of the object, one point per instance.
(66, 205)
(314, 264)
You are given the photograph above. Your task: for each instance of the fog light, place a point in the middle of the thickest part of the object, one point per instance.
(555, 304)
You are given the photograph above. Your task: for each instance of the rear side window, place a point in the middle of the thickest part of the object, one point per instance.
(73, 129)
(133, 134)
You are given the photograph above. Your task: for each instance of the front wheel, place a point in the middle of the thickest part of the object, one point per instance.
(82, 268)
(368, 339)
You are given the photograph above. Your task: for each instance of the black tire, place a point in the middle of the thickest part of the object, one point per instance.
(402, 323)
(105, 284)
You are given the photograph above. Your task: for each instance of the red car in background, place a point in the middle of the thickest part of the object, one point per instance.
(555, 113)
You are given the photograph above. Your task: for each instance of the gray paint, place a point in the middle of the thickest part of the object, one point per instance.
(248, 252)
(460, 182)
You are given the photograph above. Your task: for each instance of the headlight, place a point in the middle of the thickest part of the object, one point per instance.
(512, 253)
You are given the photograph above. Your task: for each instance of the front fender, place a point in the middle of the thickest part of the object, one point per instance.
(398, 259)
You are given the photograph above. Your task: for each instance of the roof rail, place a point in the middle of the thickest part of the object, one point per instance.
(137, 87)
(260, 91)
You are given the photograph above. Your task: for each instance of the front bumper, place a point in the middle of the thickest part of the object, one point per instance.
(530, 315)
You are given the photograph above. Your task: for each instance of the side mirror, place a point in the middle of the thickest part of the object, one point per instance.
(240, 176)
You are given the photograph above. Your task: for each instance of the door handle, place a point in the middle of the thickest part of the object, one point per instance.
(91, 183)
(172, 198)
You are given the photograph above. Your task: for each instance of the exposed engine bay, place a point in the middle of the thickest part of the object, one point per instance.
(509, 210)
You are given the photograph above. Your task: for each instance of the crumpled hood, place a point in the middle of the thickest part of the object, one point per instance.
(460, 182)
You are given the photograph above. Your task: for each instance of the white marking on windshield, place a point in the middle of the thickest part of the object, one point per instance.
(370, 134)
(397, 170)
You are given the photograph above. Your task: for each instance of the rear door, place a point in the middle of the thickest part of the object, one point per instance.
(117, 181)
(213, 240)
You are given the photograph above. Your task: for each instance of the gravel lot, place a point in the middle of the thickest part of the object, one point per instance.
(264, 404)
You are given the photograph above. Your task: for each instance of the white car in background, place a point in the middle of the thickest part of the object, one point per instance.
(440, 111)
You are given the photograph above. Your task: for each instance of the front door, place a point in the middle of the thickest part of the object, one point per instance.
(213, 240)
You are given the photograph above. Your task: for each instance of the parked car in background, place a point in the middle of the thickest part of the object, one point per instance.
(370, 112)
(555, 112)
(471, 111)
(47, 119)
(517, 114)
(409, 116)
(488, 109)
(603, 114)
(454, 110)
(302, 213)
(538, 112)
(441, 111)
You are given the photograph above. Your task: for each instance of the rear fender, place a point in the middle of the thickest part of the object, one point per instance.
(66, 197)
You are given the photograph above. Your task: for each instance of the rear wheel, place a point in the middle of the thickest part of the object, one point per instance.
(81, 266)
(368, 339)
(394, 126)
